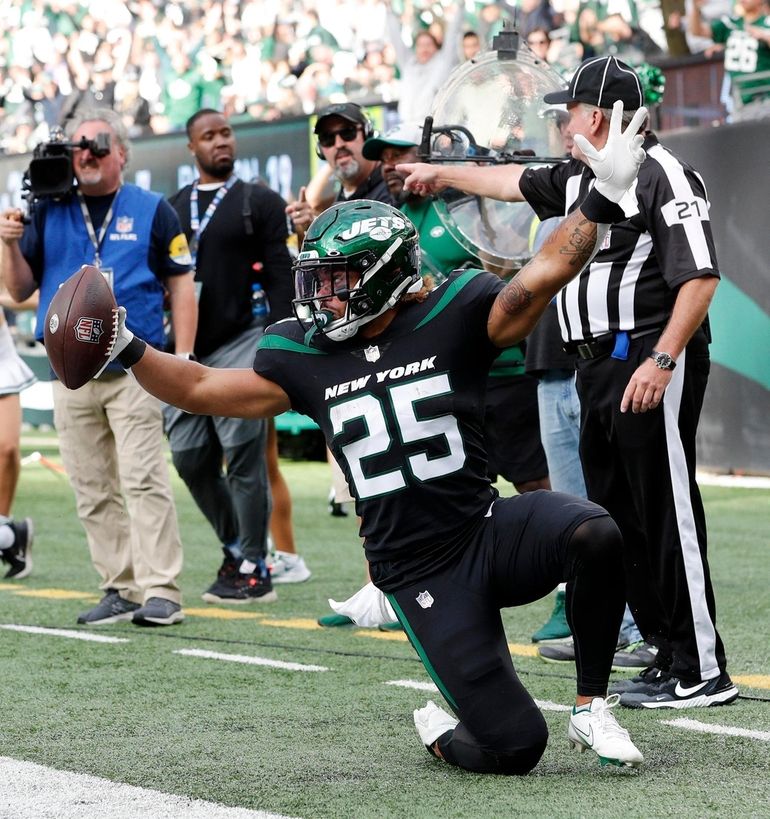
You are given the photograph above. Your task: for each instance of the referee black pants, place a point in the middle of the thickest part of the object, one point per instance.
(641, 468)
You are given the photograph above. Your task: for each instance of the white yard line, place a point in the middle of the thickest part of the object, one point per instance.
(420, 686)
(65, 632)
(242, 658)
(31, 791)
(543, 705)
(722, 730)
(733, 481)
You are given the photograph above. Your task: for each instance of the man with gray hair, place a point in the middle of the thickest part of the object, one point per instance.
(110, 430)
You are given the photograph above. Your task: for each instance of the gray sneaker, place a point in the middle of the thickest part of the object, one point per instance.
(157, 611)
(112, 608)
(557, 652)
(635, 655)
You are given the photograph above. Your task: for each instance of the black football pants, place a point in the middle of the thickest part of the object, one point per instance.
(641, 468)
(528, 545)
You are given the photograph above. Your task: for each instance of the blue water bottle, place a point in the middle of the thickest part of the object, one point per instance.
(258, 302)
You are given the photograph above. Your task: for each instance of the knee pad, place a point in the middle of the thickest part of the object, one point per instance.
(595, 540)
(524, 759)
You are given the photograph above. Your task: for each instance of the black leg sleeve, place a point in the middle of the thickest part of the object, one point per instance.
(595, 600)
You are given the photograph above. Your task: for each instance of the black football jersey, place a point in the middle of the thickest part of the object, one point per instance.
(403, 415)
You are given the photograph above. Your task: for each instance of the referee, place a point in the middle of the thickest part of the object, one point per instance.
(637, 320)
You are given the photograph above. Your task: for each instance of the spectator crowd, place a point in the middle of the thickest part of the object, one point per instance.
(156, 62)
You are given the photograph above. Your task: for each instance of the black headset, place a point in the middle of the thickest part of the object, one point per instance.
(368, 126)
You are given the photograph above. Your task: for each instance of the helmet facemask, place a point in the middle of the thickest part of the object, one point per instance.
(368, 282)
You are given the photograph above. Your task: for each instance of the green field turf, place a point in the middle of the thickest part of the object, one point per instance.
(341, 742)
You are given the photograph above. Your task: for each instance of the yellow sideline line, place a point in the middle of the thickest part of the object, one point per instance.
(761, 681)
(56, 594)
(752, 680)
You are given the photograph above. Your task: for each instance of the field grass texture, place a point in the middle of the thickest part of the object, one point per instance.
(340, 742)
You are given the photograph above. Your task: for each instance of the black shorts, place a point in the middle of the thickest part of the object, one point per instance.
(512, 430)
(518, 554)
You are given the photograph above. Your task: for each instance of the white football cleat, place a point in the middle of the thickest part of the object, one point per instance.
(595, 728)
(432, 722)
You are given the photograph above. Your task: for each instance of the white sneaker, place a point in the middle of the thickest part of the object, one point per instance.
(287, 568)
(432, 722)
(595, 728)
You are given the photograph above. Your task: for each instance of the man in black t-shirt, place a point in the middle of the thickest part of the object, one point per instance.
(395, 377)
(237, 234)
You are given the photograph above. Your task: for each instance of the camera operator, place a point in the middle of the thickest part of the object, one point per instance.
(110, 430)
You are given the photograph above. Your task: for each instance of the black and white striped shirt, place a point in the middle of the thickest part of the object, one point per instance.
(666, 240)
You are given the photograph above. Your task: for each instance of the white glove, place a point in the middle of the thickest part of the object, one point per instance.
(121, 337)
(617, 164)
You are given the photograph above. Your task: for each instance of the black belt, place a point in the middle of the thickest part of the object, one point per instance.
(601, 345)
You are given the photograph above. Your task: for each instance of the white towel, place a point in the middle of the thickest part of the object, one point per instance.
(367, 607)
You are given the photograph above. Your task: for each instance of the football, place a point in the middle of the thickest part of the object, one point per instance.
(79, 327)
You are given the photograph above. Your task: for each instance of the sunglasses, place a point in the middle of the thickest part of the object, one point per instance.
(327, 138)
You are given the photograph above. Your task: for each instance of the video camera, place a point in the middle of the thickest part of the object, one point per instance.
(51, 173)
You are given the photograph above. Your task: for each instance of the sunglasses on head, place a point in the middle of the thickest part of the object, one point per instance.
(327, 138)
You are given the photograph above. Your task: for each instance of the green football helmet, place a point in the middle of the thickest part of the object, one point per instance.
(360, 256)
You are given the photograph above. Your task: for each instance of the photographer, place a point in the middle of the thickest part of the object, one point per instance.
(110, 431)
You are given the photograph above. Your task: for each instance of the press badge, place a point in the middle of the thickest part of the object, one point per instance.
(107, 272)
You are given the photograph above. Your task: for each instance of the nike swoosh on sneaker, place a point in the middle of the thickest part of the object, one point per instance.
(681, 691)
(589, 737)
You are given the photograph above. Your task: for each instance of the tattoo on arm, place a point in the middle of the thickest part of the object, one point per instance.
(514, 298)
(580, 243)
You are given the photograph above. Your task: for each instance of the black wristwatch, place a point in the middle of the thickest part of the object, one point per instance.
(663, 361)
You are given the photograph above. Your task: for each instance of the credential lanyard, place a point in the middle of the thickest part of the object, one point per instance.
(96, 241)
(198, 225)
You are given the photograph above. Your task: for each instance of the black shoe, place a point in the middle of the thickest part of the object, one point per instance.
(112, 608)
(336, 510)
(157, 611)
(225, 574)
(675, 693)
(238, 587)
(229, 566)
(651, 676)
(18, 555)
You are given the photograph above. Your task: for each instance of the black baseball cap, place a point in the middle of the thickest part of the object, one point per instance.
(601, 81)
(347, 110)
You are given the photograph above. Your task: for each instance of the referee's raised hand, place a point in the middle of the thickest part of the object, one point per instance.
(617, 163)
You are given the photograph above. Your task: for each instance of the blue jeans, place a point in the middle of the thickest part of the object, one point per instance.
(559, 408)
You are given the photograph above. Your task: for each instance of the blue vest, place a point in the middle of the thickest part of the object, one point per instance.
(125, 249)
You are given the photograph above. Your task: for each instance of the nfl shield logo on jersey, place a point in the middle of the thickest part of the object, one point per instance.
(425, 599)
(124, 224)
(372, 353)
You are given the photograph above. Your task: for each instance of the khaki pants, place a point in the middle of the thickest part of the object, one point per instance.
(112, 445)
